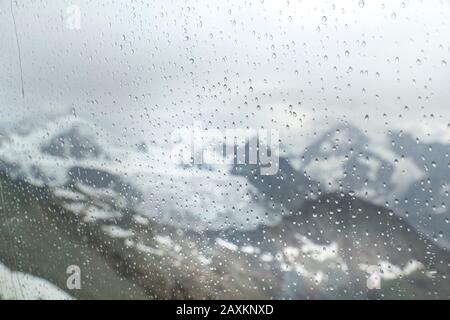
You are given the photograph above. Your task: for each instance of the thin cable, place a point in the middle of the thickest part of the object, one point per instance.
(23, 96)
(2, 199)
(18, 49)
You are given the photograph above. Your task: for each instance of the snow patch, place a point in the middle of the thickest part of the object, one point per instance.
(227, 245)
(23, 286)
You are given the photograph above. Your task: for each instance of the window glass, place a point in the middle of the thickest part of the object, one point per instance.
(224, 149)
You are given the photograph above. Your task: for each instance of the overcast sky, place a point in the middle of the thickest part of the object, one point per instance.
(140, 69)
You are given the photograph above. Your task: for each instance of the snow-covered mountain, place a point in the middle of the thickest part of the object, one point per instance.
(69, 154)
(335, 216)
(426, 200)
(406, 175)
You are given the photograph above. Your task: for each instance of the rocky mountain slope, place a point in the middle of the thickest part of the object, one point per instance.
(338, 219)
(323, 251)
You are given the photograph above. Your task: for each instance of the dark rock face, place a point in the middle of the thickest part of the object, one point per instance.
(40, 238)
(322, 250)
(287, 187)
(427, 198)
(72, 144)
(354, 233)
